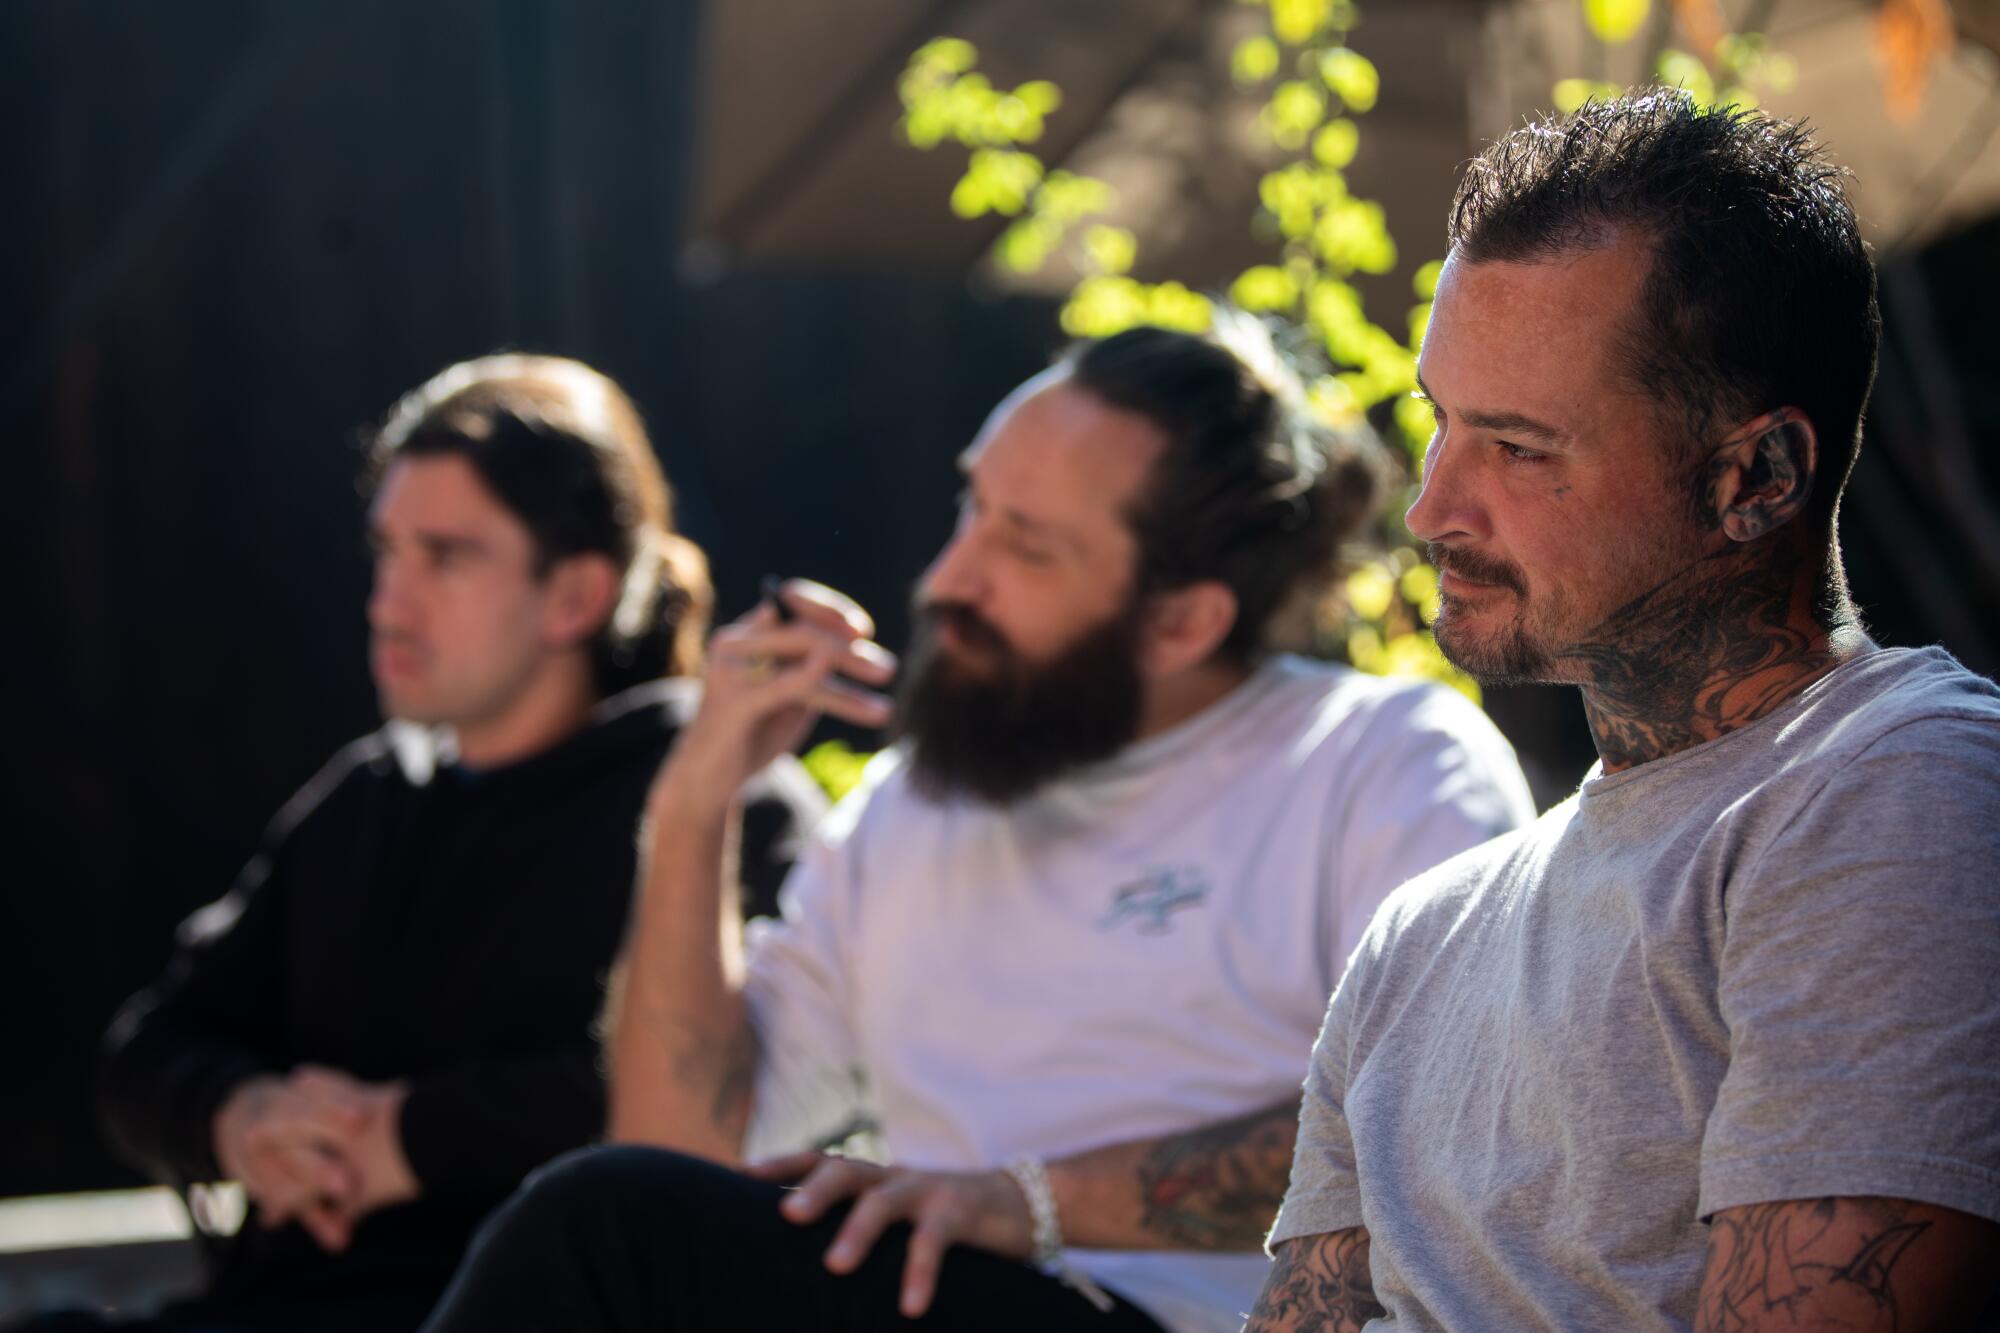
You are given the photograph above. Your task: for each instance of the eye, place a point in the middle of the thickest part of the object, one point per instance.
(1514, 453)
(1032, 555)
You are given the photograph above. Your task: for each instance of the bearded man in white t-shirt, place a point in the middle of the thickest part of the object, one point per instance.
(1066, 949)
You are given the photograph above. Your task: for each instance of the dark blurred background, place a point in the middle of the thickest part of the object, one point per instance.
(235, 231)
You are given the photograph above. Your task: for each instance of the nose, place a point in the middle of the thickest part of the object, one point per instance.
(388, 595)
(958, 573)
(1444, 508)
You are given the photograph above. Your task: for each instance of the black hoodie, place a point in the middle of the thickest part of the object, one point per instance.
(449, 928)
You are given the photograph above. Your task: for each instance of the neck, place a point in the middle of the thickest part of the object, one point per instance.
(1173, 701)
(1714, 648)
(552, 707)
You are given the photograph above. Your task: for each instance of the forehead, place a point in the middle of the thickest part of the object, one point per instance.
(443, 493)
(1063, 456)
(1539, 338)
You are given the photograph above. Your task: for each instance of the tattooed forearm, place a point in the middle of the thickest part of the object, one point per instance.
(1219, 1187)
(1823, 1264)
(1318, 1283)
(722, 1067)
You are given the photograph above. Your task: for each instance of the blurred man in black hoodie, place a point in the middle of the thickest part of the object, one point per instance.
(386, 1023)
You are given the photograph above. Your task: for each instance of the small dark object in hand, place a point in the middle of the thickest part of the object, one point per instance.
(774, 587)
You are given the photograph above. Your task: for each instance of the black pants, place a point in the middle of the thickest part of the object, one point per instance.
(637, 1240)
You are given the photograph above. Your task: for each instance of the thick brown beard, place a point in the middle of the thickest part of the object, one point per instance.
(1000, 735)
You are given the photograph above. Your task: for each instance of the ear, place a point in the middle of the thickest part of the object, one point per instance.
(582, 591)
(1184, 627)
(1760, 478)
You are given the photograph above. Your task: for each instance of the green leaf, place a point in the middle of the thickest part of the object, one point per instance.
(1425, 282)
(1370, 592)
(1615, 21)
(1335, 144)
(1112, 249)
(1027, 243)
(1297, 22)
(1352, 76)
(1414, 420)
(1294, 111)
(835, 766)
(1571, 94)
(1263, 288)
(1679, 69)
(1040, 96)
(1254, 60)
(951, 54)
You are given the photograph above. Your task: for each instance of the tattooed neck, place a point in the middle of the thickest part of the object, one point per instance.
(1712, 649)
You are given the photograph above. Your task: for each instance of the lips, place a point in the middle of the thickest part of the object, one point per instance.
(395, 661)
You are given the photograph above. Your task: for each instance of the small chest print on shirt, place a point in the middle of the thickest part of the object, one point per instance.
(1155, 896)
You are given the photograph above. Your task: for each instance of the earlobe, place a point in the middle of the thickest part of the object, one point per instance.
(1185, 627)
(582, 591)
(1762, 478)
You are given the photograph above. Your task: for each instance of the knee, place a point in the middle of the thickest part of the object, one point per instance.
(613, 1184)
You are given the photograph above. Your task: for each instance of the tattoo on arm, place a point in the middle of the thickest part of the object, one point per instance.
(1319, 1283)
(1826, 1264)
(725, 1066)
(1219, 1187)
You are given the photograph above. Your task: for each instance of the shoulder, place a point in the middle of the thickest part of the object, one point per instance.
(1400, 736)
(1908, 729)
(1420, 915)
(1335, 699)
(377, 760)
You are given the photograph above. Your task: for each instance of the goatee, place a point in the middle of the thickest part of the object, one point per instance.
(999, 729)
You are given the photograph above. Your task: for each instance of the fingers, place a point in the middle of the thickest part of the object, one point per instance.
(330, 1227)
(764, 671)
(833, 1179)
(303, 1122)
(759, 645)
(287, 1181)
(940, 1223)
(875, 1210)
(817, 604)
(785, 1170)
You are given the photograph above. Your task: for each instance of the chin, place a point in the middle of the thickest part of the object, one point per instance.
(1504, 657)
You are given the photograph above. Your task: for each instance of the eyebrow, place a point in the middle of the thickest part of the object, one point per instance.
(1034, 527)
(435, 543)
(1513, 423)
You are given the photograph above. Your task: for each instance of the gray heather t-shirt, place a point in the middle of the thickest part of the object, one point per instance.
(1764, 968)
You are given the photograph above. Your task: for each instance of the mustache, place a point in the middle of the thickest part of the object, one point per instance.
(1476, 568)
(966, 623)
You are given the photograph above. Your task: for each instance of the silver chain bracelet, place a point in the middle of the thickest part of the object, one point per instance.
(1033, 1178)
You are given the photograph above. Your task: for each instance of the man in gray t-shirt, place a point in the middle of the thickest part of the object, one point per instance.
(1716, 1043)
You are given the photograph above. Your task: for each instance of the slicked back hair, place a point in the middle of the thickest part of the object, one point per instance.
(563, 447)
(1252, 489)
(1761, 293)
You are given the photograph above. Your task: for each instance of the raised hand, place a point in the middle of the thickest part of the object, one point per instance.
(770, 675)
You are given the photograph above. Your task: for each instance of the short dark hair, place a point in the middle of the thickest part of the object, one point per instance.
(563, 447)
(1761, 294)
(1254, 489)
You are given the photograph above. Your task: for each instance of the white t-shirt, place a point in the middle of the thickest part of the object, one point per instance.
(1139, 949)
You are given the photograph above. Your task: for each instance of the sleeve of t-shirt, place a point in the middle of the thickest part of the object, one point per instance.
(1434, 777)
(1860, 983)
(796, 986)
(1325, 1190)
(177, 1049)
